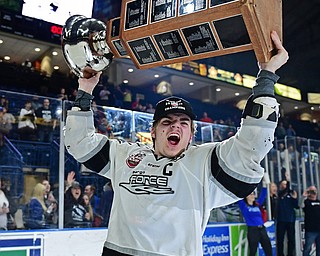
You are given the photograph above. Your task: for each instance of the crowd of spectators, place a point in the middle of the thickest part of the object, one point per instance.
(35, 121)
(83, 206)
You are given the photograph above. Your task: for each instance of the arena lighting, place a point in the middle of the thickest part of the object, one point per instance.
(58, 111)
(156, 75)
(56, 67)
(37, 49)
(237, 94)
(7, 57)
(54, 53)
(314, 98)
(241, 104)
(191, 83)
(158, 33)
(130, 70)
(125, 81)
(305, 117)
(1, 41)
(218, 89)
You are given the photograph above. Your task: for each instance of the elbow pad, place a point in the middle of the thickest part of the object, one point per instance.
(262, 107)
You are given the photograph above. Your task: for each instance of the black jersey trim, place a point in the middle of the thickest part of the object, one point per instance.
(99, 160)
(238, 188)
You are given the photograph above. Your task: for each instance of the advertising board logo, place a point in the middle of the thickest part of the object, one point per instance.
(22, 245)
(216, 241)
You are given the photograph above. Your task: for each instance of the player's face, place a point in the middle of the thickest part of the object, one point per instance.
(172, 135)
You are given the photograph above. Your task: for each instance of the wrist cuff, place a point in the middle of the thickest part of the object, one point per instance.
(265, 83)
(83, 100)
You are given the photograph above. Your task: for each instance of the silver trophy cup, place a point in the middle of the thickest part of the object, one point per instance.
(84, 45)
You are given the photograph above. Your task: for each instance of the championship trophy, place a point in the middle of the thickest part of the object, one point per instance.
(157, 33)
(84, 46)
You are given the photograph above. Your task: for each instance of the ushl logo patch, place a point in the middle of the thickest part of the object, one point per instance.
(134, 159)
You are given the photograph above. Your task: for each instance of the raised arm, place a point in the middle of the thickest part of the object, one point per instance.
(236, 162)
(81, 140)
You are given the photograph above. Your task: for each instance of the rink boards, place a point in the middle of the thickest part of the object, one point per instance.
(219, 239)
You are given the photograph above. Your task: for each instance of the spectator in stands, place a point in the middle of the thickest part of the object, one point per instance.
(250, 208)
(46, 121)
(38, 211)
(75, 214)
(104, 96)
(48, 196)
(10, 121)
(280, 131)
(88, 207)
(5, 127)
(36, 102)
(285, 221)
(150, 108)
(4, 101)
(311, 207)
(98, 114)
(118, 96)
(5, 187)
(206, 118)
(27, 66)
(106, 203)
(73, 94)
(96, 92)
(216, 135)
(290, 131)
(52, 204)
(90, 190)
(136, 104)
(63, 94)
(4, 208)
(26, 124)
(286, 157)
(47, 186)
(8, 117)
(273, 200)
(105, 128)
(127, 98)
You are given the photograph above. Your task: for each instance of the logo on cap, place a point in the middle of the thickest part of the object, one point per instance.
(170, 104)
(173, 105)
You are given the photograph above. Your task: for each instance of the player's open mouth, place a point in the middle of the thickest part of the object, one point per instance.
(174, 139)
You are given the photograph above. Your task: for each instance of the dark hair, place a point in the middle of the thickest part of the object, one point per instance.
(254, 203)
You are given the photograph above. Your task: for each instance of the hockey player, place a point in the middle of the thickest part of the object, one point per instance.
(163, 194)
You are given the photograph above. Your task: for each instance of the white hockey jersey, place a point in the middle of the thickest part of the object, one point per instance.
(161, 206)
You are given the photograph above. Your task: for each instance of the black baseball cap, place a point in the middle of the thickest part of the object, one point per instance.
(173, 105)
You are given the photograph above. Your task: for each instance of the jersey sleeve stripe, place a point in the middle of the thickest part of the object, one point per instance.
(99, 160)
(238, 188)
